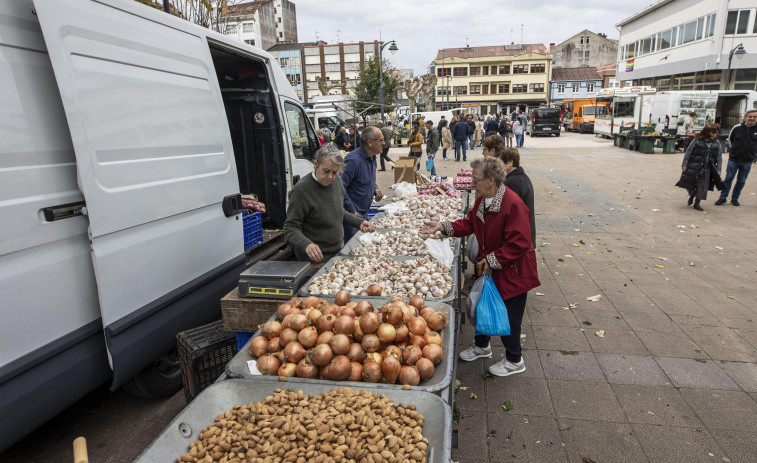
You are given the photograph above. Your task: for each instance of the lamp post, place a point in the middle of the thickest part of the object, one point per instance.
(739, 51)
(393, 48)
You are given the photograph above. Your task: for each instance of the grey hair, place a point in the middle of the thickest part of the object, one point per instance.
(491, 168)
(331, 152)
(368, 133)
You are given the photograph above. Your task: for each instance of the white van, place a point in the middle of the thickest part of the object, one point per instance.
(127, 136)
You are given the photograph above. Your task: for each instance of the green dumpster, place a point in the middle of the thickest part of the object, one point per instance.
(646, 145)
(668, 145)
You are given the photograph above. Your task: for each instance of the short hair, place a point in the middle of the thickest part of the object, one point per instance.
(429, 122)
(443, 123)
(389, 123)
(330, 152)
(707, 129)
(380, 123)
(494, 142)
(319, 132)
(491, 168)
(509, 154)
(751, 111)
(366, 134)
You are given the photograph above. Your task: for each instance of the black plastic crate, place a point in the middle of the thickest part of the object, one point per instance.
(204, 352)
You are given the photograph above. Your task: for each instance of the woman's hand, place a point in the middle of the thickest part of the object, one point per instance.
(431, 227)
(487, 269)
(314, 252)
(366, 227)
(683, 169)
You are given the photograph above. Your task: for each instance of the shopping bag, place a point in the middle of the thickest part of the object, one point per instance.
(440, 250)
(491, 313)
(473, 297)
(471, 248)
(430, 164)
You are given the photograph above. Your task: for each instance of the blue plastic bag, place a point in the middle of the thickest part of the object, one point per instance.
(430, 164)
(491, 313)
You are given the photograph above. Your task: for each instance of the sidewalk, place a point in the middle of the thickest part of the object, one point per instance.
(663, 367)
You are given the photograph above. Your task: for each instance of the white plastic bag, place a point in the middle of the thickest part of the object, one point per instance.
(441, 251)
(393, 208)
(471, 248)
(370, 238)
(403, 189)
(473, 297)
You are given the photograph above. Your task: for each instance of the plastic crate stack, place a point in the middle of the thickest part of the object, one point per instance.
(253, 229)
(204, 352)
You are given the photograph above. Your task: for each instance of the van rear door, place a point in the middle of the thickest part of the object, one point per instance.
(154, 163)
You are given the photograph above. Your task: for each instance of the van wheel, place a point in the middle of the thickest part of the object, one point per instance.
(160, 380)
(557, 134)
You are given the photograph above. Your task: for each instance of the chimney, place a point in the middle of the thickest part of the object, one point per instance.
(602, 34)
(551, 46)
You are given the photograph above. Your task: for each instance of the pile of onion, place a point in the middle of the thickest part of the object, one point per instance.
(398, 342)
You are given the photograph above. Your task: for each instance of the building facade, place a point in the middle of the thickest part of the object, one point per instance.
(261, 23)
(290, 58)
(492, 79)
(333, 69)
(585, 49)
(582, 82)
(686, 45)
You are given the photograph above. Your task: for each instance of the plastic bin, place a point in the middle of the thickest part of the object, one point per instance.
(187, 426)
(243, 337)
(253, 229)
(204, 352)
(669, 145)
(646, 145)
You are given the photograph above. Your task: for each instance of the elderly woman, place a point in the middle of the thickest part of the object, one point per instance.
(316, 210)
(500, 221)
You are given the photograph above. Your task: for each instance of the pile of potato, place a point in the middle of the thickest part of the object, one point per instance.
(423, 208)
(396, 243)
(340, 425)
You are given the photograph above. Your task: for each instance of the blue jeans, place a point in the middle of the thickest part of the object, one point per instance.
(470, 141)
(743, 169)
(458, 144)
(349, 232)
(417, 154)
(444, 153)
(519, 140)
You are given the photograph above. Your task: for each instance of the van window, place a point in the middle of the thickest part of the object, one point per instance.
(303, 138)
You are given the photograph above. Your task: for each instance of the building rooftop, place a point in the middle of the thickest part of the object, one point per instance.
(607, 67)
(583, 73)
(290, 46)
(245, 8)
(601, 36)
(496, 50)
(644, 12)
(317, 44)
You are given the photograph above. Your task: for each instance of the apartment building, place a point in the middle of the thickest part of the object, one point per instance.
(581, 82)
(690, 45)
(492, 79)
(290, 58)
(261, 23)
(585, 49)
(336, 66)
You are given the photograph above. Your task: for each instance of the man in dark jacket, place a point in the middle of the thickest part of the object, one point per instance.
(471, 130)
(432, 142)
(342, 139)
(490, 125)
(441, 121)
(743, 140)
(460, 134)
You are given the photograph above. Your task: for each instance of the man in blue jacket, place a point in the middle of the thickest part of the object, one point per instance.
(359, 177)
(460, 133)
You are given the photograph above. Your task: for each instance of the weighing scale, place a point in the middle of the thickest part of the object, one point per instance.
(274, 279)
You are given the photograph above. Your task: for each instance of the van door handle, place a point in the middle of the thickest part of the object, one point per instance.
(295, 179)
(232, 204)
(64, 211)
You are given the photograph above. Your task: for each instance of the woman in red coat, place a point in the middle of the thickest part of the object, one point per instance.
(501, 222)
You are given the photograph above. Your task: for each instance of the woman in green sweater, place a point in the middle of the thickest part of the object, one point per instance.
(316, 210)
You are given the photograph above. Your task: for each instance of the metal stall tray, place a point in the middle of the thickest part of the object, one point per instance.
(442, 378)
(355, 242)
(186, 427)
(327, 268)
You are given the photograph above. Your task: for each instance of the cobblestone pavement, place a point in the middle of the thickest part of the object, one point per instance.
(674, 379)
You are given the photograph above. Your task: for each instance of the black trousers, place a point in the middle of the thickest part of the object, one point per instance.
(515, 308)
(385, 156)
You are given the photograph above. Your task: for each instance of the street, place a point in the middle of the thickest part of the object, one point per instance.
(662, 367)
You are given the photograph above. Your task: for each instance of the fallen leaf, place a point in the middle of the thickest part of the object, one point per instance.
(587, 323)
(655, 210)
(718, 234)
(545, 244)
(691, 263)
(569, 255)
(560, 259)
(574, 305)
(576, 245)
(731, 297)
(718, 247)
(473, 396)
(680, 226)
(692, 226)
(701, 361)
(522, 336)
(508, 405)
(591, 215)
(569, 352)
(659, 266)
(463, 388)
(600, 333)
(581, 241)
(594, 298)
(611, 209)
(539, 294)
(591, 253)
(487, 376)
(457, 383)
(588, 460)
(663, 258)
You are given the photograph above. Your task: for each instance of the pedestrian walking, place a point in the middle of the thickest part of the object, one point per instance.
(524, 122)
(416, 143)
(503, 129)
(447, 141)
(386, 131)
(509, 134)
(460, 134)
(518, 132)
(701, 165)
(477, 134)
(743, 139)
(471, 130)
(490, 125)
(432, 145)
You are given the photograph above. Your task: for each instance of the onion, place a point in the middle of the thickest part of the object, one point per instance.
(308, 337)
(295, 302)
(403, 333)
(273, 345)
(258, 346)
(356, 352)
(372, 372)
(357, 333)
(401, 344)
(392, 313)
(344, 325)
(330, 309)
(325, 372)
(436, 321)
(390, 367)
(342, 297)
(268, 365)
(287, 335)
(283, 310)
(432, 337)
(375, 290)
(325, 337)
(308, 302)
(411, 354)
(339, 368)
(409, 375)
(425, 311)
(306, 369)
(294, 352)
(408, 312)
(285, 321)
(425, 368)
(280, 356)
(299, 321)
(391, 350)
(326, 323)
(419, 341)
(356, 372)
(363, 307)
(347, 311)
(288, 370)
(372, 356)
(386, 332)
(314, 315)
(416, 301)
(340, 344)
(433, 353)
(369, 322)
(370, 343)
(321, 355)
(417, 326)
(320, 303)
(271, 329)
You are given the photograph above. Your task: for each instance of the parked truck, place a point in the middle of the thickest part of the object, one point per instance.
(581, 113)
(627, 108)
(128, 135)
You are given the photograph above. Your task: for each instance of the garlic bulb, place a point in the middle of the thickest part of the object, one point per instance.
(421, 209)
(397, 243)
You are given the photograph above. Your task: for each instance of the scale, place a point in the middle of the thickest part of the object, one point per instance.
(274, 279)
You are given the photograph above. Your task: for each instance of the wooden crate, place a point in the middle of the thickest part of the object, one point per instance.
(245, 314)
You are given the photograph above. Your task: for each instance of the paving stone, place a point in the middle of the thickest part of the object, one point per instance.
(692, 373)
(670, 345)
(472, 438)
(632, 369)
(530, 396)
(739, 445)
(691, 445)
(560, 338)
(575, 366)
(474, 384)
(586, 400)
(722, 343)
(529, 342)
(600, 441)
(615, 341)
(600, 319)
(719, 409)
(744, 374)
(475, 367)
(654, 320)
(524, 439)
(554, 315)
(656, 405)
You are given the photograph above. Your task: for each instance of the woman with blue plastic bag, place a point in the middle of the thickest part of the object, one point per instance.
(500, 220)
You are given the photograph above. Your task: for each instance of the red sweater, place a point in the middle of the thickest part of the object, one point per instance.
(504, 240)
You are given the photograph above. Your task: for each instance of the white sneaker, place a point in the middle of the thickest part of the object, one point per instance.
(506, 368)
(474, 352)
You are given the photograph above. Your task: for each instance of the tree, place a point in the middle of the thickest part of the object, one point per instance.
(368, 88)
(423, 85)
(212, 14)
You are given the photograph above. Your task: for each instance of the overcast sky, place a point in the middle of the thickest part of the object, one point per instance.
(420, 27)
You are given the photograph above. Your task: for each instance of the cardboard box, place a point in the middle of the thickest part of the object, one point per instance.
(404, 169)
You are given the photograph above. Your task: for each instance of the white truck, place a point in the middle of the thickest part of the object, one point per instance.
(627, 107)
(127, 137)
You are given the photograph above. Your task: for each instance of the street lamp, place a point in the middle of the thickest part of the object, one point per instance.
(392, 48)
(739, 51)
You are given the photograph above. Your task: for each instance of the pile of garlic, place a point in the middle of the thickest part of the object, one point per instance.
(422, 209)
(397, 243)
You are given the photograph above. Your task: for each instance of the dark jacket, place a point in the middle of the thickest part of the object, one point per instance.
(471, 127)
(702, 160)
(460, 131)
(519, 182)
(340, 139)
(432, 141)
(439, 125)
(504, 127)
(743, 143)
(490, 126)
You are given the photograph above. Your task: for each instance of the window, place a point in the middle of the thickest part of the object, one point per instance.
(537, 88)
(630, 50)
(231, 29)
(737, 21)
(590, 87)
(443, 72)
(281, 35)
(460, 72)
(689, 32)
(711, 26)
(475, 89)
(586, 54)
(505, 69)
(674, 36)
(284, 62)
(520, 88)
(560, 88)
(582, 40)
(442, 91)
(485, 89)
(304, 141)
(494, 70)
(475, 71)
(250, 42)
(279, 19)
(520, 69)
(587, 40)
(700, 28)
(503, 88)
(646, 45)
(461, 90)
(574, 87)
(537, 68)
(664, 41)
(494, 89)
(248, 28)
(486, 70)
